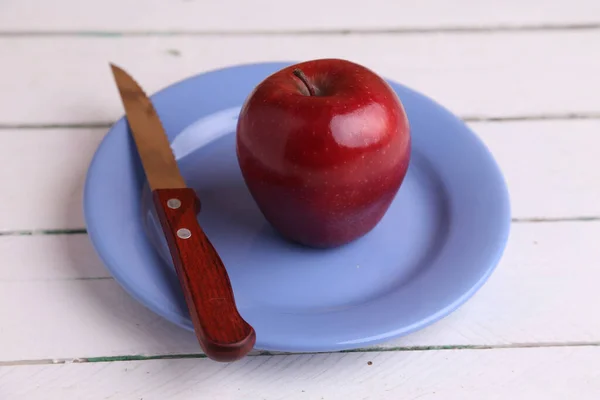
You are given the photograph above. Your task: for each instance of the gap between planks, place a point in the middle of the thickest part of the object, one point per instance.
(258, 353)
(312, 32)
(83, 231)
(468, 118)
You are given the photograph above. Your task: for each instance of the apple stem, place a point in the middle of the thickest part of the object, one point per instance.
(300, 75)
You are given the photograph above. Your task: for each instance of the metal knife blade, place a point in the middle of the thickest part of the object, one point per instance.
(149, 135)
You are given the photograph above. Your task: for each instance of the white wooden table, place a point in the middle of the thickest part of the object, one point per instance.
(525, 74)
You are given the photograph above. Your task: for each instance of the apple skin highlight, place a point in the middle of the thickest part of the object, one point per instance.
(323, 151)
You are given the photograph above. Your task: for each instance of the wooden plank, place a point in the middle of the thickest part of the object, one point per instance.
(550, 168)
(48, 258)
(544, 291)
(540, 373)
(44, 186)
(493, 75)
(270, 15)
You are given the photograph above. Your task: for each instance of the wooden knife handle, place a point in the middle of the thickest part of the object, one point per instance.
(223, 334)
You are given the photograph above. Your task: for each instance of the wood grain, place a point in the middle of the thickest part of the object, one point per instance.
(271, 15)
(222, 332)
(543, 292)
(498, 75)
(543, 373)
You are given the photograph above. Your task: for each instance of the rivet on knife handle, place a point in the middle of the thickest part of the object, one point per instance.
(222, 332)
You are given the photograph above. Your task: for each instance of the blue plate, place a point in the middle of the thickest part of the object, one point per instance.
(438, 243)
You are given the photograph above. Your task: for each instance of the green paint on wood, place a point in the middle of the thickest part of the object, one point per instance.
(269, 354)
(417, 348)
(144, 358)
(77, 231)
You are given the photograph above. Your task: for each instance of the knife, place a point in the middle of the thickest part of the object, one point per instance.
(221, 331)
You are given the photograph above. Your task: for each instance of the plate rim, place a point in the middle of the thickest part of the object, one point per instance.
(183, 322)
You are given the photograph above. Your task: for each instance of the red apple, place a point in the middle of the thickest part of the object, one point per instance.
(323, 147)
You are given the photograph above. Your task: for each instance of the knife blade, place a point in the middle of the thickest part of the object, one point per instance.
(221, 331)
